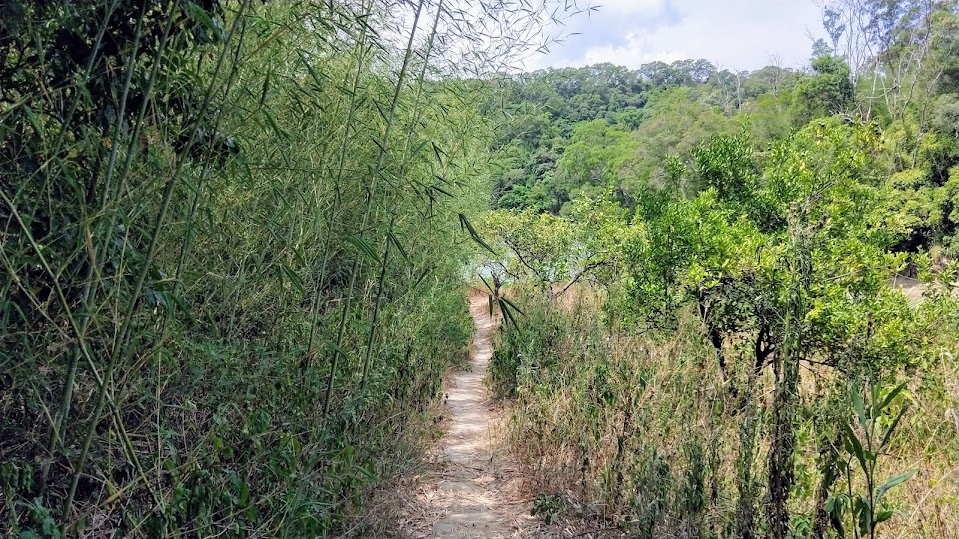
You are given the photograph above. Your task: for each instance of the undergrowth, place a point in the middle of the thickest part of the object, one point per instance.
(644, 432)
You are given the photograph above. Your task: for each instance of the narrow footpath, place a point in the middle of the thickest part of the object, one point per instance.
(472, 488)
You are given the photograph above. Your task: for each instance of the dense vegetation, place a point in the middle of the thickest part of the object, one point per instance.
(231, 254)
(736, 356)
(235, 237)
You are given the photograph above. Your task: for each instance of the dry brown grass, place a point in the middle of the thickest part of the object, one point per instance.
(610, 405)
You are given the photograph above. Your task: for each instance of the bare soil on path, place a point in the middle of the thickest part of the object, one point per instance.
(472, 487)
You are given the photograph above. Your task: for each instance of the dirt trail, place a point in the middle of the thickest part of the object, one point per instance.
(472, 488)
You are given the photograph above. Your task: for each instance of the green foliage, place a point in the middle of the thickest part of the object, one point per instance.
(232, 257)
(865, 441)
(617, 126)
(526, 351)
(598, 155)
(556, 252)
(546, 506)
(232, 264)
(543, 244)
(772, 265)
(655, 258)
(677, 126)
(829, 91)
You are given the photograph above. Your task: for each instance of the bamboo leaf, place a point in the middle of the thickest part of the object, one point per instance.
(423, 275)
(335, 348)
(33, 120)
(309, 69)
(275, 126)
(485, 282)
(508, 318)
(364, 247)
(512, 305)
(266, 87)
(199, 14)
(441, 190)
(419, 148)
(294, 278)
(399, 246)
(466, 225)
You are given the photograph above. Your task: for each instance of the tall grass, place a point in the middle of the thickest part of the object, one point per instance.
(647, 434)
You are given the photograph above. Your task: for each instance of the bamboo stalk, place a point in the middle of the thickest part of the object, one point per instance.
(380, 160)
(121, 346)
(387, 241)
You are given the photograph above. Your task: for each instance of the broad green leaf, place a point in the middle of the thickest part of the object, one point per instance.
(891, 482)
(882, 516)
(892, 428)
(856, 445)
(865, 519)
(888, 400)
(858, 406)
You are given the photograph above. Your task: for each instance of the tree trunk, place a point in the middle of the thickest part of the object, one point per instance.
(783, 443)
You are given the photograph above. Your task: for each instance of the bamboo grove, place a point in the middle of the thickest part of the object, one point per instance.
(232, 254)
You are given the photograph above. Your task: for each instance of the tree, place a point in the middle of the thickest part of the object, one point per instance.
(828, 91)
(556, 252)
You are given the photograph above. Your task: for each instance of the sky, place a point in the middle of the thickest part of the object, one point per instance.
(732, 34)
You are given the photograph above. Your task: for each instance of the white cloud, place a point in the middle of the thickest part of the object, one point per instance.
(734, 34)
(646, 7)
(639, 49)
